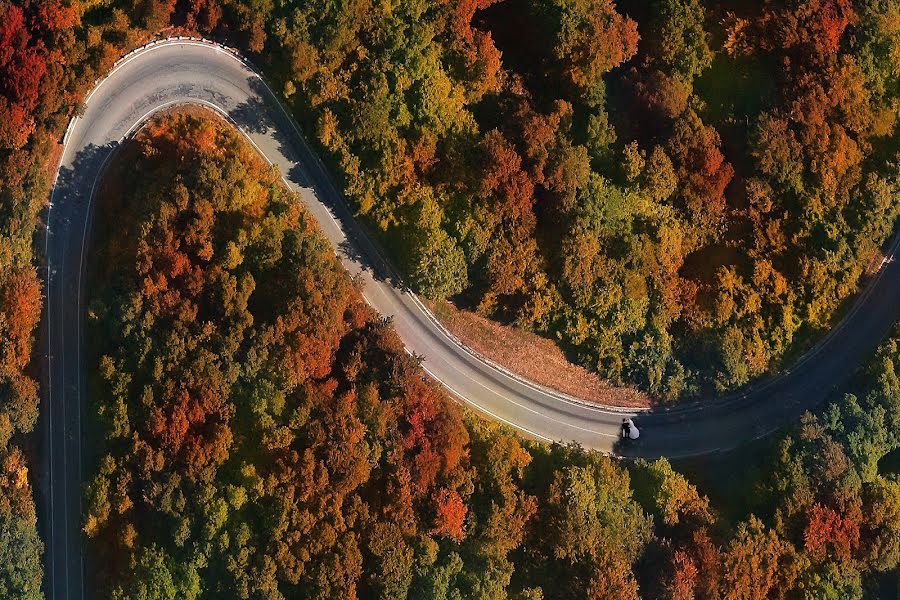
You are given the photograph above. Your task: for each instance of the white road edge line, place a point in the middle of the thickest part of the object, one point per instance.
(220, 49)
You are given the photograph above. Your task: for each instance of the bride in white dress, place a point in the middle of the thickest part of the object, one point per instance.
(630, 430)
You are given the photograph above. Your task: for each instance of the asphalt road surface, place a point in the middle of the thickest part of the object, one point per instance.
(180, 72)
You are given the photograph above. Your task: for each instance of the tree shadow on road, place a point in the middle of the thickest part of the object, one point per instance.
(253, 116)
(67, 218)
(71, 197)
(264, 115)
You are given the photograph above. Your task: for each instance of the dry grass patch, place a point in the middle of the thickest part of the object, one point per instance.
(533, 357)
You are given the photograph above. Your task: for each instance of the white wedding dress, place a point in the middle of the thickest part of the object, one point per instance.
(633, 432)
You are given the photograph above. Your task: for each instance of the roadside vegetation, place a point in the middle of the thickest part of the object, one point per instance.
(266, 436)
(20, 546)
(528, 355)
(681, 193)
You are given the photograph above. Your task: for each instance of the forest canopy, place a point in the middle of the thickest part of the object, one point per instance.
(682, 193)
(266, 436)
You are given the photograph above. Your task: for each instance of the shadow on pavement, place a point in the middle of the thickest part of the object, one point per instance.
(262, 115)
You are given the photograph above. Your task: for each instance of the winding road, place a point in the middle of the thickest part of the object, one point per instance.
(190, 71)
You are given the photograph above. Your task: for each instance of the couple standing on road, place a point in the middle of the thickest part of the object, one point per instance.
(629, 430)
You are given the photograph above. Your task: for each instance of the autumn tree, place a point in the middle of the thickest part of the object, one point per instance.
(20, 545)
(590, 38)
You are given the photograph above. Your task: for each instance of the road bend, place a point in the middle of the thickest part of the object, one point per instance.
(178, 72)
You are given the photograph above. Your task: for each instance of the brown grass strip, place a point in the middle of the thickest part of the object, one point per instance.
(533, 357)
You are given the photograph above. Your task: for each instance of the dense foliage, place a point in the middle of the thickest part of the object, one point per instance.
(27, 98)
(20, 546)
(679, 191)
(267, 437)
(269, 428)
